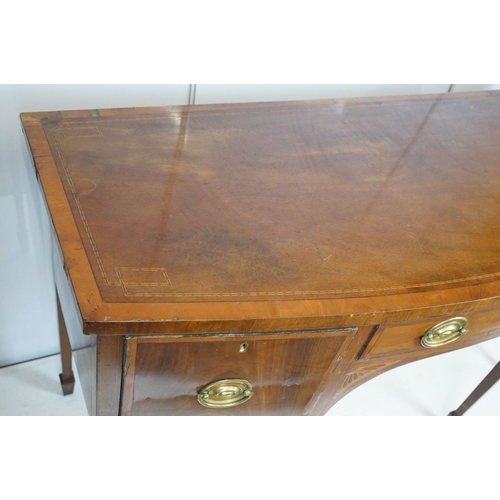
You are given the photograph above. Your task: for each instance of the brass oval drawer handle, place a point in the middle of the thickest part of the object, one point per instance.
(225, 393)
(445, 332)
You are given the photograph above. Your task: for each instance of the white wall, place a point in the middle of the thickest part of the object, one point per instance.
(208, 94)
(474, 87)
(28, 322)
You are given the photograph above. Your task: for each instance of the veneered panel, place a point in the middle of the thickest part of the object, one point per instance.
(393, 339)
(285, 201)
(285, 374)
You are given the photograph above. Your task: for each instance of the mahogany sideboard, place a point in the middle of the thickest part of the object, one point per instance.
(266, 259)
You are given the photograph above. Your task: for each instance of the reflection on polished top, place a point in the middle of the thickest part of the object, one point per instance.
(283, 201)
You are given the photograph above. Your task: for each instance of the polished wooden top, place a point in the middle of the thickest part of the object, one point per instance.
(278, 210)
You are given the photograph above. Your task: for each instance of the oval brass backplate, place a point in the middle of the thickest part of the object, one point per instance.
(445, 332)
(225, 393)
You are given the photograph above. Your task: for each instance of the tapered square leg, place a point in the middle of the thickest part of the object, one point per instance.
(479, 391)
(68, 384)
(66, 377)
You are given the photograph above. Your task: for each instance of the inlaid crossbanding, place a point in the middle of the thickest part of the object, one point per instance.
(81, 131)
(141, 278)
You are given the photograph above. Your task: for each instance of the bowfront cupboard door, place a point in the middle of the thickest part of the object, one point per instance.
(259, 374)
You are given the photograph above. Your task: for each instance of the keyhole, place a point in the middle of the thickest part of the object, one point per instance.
(243, 347)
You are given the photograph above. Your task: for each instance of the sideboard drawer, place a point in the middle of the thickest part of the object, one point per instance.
(267, 374)
(398, 338)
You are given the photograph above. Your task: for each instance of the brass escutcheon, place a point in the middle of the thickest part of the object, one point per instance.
(225, 393)
(445, 332)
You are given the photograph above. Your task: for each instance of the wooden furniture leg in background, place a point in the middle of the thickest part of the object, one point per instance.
(479, 391)
(66, 377)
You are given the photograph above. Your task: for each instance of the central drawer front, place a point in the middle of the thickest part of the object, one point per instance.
(403, 338)
(286, 372)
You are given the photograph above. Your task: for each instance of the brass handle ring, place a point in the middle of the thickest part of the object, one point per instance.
(445, 332)
(225, 393)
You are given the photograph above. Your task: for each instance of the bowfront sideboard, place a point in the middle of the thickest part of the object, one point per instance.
(266, 259)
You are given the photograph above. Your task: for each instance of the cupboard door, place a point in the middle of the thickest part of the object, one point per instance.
(285, 373)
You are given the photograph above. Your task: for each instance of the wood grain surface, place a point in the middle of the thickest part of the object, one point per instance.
(274, 211)
(287, 372)
(329, 235)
